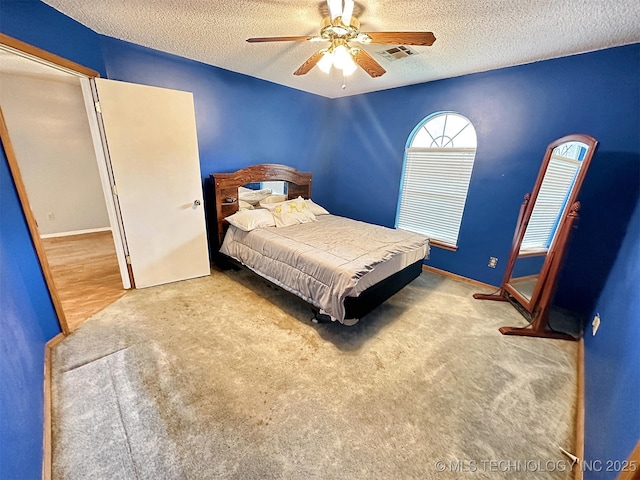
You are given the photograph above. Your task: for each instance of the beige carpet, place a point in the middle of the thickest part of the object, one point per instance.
(224, 377)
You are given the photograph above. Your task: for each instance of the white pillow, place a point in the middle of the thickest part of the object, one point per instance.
(242, 205)
(252, 196)
(315, 208)
(275, 198)
(290, 212)
(248, 220)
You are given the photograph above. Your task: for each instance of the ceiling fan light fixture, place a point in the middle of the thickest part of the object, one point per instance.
(340, 29)
(341, 57)
(326, 61)
(349, 67)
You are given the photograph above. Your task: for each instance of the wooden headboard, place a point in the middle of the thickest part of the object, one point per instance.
(226, 187)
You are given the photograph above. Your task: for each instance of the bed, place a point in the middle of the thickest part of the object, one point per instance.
(342, 268)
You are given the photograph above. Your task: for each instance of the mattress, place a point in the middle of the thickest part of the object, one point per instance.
(327, 260)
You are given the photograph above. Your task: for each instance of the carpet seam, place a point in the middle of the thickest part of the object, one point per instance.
(124, 427)
(93, 360)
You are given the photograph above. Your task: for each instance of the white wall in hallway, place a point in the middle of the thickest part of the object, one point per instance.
(47, 122)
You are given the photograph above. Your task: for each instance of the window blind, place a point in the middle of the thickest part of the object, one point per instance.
(434, 191)
(551, 202)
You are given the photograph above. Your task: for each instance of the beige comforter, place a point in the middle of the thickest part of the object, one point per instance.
(322, 261)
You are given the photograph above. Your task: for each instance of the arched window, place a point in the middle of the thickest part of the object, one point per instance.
(435, 178)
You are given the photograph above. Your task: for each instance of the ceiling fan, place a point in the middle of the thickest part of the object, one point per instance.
(339, 29)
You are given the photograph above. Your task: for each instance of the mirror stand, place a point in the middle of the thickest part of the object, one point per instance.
(538, 316)
(547, 217)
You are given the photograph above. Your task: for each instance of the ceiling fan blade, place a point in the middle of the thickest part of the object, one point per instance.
(309, 64)
(402, 38)
(279, 39)
(368, 64)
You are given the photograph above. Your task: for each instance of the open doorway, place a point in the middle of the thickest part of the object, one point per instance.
(144, 141)
(45, 118)
(85, 270)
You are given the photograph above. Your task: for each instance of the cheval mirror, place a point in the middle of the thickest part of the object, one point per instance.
(540, 241)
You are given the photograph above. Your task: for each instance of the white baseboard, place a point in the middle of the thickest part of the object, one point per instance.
(76, 232)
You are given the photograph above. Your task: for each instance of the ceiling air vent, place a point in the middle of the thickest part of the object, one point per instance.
(397, 53)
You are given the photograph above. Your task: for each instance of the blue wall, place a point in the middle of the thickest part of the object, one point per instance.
(516, 112)
(27, 318)
(240, 120)
(27, 322)
(41, 26)
(612, 362)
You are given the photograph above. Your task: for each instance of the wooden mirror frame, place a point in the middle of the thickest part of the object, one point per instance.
(537, 308)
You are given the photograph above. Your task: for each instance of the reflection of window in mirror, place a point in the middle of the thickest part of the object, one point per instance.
(279, 186)
(275, 187)
(551, 201)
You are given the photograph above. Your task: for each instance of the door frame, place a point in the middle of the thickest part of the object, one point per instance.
(85, 74)
(108, 183)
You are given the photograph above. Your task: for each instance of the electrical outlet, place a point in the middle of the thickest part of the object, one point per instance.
(493, 261)
(595, 324)
(51, 216)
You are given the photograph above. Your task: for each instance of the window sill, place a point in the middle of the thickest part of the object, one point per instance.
(532, 253)
(444, 246)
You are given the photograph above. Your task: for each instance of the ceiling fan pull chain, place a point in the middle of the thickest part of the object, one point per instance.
(344, 81)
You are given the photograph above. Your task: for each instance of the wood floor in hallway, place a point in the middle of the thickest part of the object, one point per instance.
(85, 272)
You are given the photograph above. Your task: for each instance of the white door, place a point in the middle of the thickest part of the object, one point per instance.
(151, 139)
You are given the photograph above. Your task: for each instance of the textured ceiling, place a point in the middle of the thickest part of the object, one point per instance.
(471, 35)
